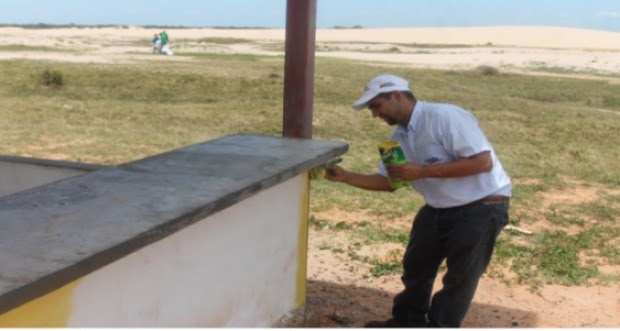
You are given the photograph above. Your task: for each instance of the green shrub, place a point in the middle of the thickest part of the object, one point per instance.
(51, 78)
(487, 70)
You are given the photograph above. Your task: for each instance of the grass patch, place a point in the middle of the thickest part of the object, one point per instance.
(370, 233)
(51, 78)
(223, 41)
(487, 70)
(27, 48)
(571, 71)
(389, 268)
(553, 257)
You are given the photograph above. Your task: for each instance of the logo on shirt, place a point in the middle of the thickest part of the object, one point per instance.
(431, 160)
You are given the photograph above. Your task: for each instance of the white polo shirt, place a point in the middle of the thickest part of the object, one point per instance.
(441, 133)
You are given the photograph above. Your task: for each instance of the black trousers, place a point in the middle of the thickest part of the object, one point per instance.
(463, 236)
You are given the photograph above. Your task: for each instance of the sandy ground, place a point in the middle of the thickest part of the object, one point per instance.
(340, 293)
(510, 48)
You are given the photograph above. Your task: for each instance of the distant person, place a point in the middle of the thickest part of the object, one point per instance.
(163, 36)
(156, 43)
(467, 194)
(165, 43)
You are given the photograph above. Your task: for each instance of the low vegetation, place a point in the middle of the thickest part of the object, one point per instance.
(549, 132)
(51, 78)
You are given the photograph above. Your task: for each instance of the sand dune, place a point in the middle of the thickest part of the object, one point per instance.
(539, 37)
(508, 47)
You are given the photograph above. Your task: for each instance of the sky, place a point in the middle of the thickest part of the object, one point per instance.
(587, 14)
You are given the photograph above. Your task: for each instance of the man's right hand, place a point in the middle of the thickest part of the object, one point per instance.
(335, 173)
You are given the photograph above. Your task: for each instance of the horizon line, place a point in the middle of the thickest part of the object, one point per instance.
(241, 27)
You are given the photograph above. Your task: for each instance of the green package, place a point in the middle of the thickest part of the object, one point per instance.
(392, 153)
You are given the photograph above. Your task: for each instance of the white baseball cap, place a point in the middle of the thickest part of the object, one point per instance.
(378, 85)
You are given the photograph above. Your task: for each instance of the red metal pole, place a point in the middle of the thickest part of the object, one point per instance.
(299, 68)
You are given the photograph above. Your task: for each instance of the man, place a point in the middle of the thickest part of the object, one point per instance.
(156, 43)
(466, 190)
(164, 38)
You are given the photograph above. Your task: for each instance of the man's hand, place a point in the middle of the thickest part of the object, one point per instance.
(335, 173)
(408, 172)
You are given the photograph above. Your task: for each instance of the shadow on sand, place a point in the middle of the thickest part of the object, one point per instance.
(336, 305)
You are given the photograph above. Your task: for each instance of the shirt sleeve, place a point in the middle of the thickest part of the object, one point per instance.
(461, 135)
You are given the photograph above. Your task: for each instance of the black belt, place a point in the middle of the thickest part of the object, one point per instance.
(490, 200)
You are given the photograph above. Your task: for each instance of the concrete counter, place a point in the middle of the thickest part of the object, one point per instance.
(57, 233)
(21, 173)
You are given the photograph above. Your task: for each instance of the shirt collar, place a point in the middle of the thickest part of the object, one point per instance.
(415, 117)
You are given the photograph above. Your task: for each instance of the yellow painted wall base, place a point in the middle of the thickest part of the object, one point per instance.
(302, 250)
(51, 310)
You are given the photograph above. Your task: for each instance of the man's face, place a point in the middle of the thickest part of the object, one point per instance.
(383, 108)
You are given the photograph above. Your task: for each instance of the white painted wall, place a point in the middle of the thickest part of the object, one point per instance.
(236, 268)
